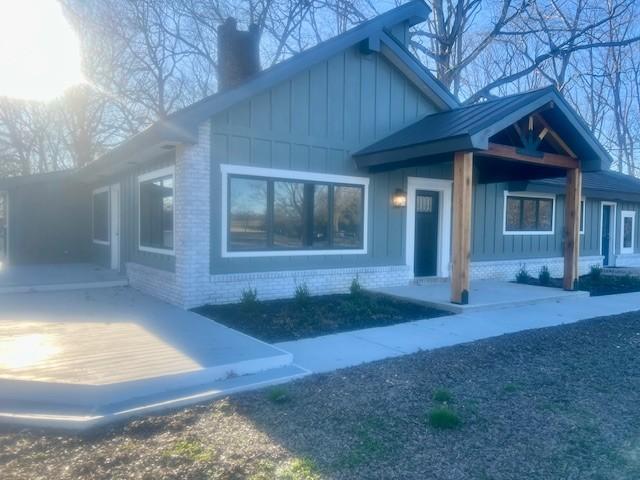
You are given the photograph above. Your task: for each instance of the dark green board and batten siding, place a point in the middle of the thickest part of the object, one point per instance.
(313, 122)
(129, 221)
(489, 242)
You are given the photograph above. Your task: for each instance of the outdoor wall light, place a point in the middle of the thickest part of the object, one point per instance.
(399, 198)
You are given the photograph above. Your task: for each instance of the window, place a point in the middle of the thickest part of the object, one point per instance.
(100, 216)
(582, 214)
(156, 211)
(529, 214)
(308, 214)
(627, 235)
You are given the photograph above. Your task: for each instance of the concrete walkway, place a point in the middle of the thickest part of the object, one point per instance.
(331, 352)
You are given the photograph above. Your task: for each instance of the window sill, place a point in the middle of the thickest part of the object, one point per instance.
(160, 251)
(527, 233)
(292, 253)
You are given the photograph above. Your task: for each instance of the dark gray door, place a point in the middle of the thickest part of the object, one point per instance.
(606, 233)
(426, 241)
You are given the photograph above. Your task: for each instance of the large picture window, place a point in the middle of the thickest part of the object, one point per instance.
(100, 216)
(627, 234)
(528, 214)
(293, 214)
(156, 211)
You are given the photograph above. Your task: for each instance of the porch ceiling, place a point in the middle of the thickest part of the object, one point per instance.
(470, 129)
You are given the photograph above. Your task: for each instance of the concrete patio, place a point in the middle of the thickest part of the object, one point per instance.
(483, 295)
(81, 357)
(55, 277)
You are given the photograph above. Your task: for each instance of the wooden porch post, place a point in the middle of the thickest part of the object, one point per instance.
(572, 228)
(461, 242)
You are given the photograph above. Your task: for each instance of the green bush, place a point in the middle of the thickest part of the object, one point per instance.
(302, 294)
(278, 395)
(522, 276)
(544, 276)
(595, 272)
(249, 298)
(355, 289)
(443, 418)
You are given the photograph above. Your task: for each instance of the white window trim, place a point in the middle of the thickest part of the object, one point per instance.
(444, 189)
(528, 195)
(163, 172)
(227, 170)
(632, 215)
(583, 218)
(93, 220)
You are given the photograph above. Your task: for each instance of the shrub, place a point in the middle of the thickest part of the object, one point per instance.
(302, 294)
(595, 272)
(544, 276)
(442, 395)
(355, 289)
(249, 298)
(443, 418)
(522, 276)
(278, 395)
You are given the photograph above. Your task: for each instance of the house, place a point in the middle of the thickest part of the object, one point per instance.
(349, 160)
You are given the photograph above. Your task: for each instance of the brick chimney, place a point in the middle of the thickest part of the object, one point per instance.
(238, 54)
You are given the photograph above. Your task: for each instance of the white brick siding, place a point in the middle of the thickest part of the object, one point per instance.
(507, 269)
(271, 285)
(627, 260)
(156, 282)
(192, 217)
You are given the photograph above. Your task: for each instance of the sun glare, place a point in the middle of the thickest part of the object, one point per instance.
(39, 51)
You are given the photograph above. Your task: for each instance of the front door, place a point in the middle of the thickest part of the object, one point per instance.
(606, 233)
(426, 241)
(4, 227)
(114, 199)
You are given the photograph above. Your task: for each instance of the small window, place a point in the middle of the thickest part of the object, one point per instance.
(628, 231)
(278, 214)
(156, 211)
(101, 216)
(582, 214)
(528, 214)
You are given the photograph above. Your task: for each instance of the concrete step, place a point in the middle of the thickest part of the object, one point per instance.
(69, 416)
(61, 287)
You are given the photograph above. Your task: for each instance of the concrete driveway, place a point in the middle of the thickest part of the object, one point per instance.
(90, 354)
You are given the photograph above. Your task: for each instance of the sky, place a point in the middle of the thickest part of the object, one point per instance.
(39, 51)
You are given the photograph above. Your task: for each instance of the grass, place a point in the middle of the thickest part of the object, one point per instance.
(296, 469)
(442, 395)
(443, 418)
(305, 316)
(191, 450)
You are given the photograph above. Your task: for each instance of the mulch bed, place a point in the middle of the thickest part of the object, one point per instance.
(555, 403)
(292, 319)
(605, 284)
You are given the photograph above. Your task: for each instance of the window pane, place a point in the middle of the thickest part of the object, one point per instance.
(288, 214)
(529, 210)
(582, 212)
(247, 213)
(156, 213)
(101, 216)
(514, 206)
(628, 232)
(347, 217)
(320, 216)
(545, 215)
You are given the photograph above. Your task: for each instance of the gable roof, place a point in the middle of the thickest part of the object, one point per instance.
(470, 127)
(181, 126)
